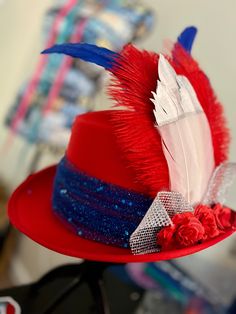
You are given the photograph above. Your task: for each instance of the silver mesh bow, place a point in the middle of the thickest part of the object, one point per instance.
(167, 204)
(221, 180)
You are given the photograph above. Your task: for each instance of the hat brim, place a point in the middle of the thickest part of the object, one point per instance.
(30, 211)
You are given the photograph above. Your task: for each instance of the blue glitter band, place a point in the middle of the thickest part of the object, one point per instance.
(97, 210)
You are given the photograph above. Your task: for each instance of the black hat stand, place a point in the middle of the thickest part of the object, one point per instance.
(87, 272)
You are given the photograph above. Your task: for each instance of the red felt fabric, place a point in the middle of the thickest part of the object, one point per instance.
(30, 211)
(93, 149)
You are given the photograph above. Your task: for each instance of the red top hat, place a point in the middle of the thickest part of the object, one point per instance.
(136, 185)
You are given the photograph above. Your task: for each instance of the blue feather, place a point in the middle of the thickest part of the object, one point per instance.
(186, 38)
(87, 52)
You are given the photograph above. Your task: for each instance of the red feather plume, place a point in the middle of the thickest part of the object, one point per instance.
(134, 78)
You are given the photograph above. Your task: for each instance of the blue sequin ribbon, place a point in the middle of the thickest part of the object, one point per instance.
(97, 210)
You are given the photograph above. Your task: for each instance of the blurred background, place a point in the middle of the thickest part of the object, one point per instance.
(40, 100)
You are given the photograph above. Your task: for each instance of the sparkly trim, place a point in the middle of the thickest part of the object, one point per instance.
(97, 210)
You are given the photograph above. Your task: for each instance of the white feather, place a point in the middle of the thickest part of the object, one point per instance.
(185, 133)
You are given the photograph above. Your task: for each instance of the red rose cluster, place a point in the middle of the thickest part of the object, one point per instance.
(191, 228)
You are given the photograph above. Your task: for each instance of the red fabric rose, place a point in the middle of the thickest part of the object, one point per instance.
(179, 219)
(191, 228)
(206, 216)
(190, 231)
(187, 230)
(165, 237)
(222, 216)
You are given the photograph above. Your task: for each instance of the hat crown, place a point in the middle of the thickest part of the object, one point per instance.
(93, 149)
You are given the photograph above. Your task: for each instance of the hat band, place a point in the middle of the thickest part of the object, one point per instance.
(97, 210)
